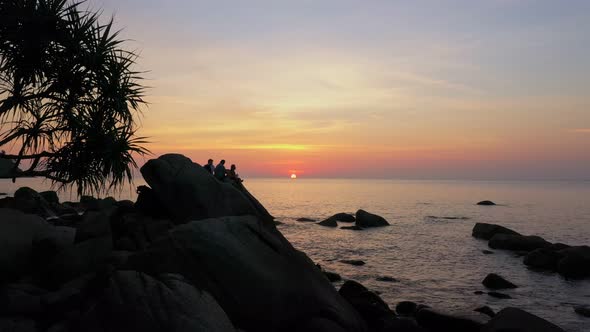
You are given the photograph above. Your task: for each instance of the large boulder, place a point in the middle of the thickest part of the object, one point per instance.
(513, 319)
(441, 321)
(543, 258)
(29, 201)
(487, 231)
(253, 272)
(186, 191)
(369, 305)
(517, 242)
(133, 301)
(343, 217)
(494, 281)
(365, 219)
(575, 263)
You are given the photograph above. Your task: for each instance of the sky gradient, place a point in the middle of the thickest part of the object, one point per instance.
(388, 89)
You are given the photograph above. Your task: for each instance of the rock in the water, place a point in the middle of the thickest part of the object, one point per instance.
(365, 219)
(479, 292)
(499, 295)
(332, 276)
(343, 217)
(582, 310)
(487, 252)
(406, 308)
(575, 263)
(488, 203)
(517, 242)
(434, 320)
(368, 304)
(188, 192)
(513, 319)
(306, 220)
(328, 223)
(494, 281)
(485, 310)
(133, 301)
(279, 287)
(353, 228)
(355, 262)
(543, 258)
(487, 231)
(386, 279)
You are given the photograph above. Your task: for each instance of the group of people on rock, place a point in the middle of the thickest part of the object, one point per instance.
(221, 173)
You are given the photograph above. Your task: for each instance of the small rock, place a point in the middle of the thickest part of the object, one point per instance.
(487, 252)
(435, 320)
(406, 308)
(583, 310)
(332, 276)
(495, 281)
(353, 262)
(478, 292)
(487, 203)
(354, 228)
(485, 310)
(499, 295)
(386, 279)
(328, 223)
(306, 220)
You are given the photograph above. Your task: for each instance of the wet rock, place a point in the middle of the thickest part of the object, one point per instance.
(494, 281)
(406, 308)
(543, 259)
(499, 295)
(368, 304)
(306, 220)
(353, 228)
(365, 219)
(517, 242)
(583, 310)
(485, 310)
(487, 231)
(435, 320)
(328, 223)
(386, 279)
(513, 319)
(487, 203)
(280, 288)
(355, 262)
(575, 263)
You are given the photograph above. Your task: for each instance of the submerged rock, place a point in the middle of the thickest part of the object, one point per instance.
(305, 220)
(355, 262)
(513, 319)
(583, 310)
(487, 231)
(365, 219)
(386, 279)
(488, 203)
(353, 228)
(494, 281)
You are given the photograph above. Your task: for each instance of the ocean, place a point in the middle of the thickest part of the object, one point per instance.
(428, 248)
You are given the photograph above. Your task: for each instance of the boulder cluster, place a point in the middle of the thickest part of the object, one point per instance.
(359, 221)
(191, 254)
(571, 262)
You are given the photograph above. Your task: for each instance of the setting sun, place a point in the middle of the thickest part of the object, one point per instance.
(293, 176)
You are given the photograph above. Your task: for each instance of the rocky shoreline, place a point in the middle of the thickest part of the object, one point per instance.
(193, 253)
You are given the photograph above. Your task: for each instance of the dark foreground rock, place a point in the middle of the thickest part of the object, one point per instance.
(485, 310)
(188, 192)
(369, 305)
(513, 319)
(279, 288)
(487, 231)
(494, 281)
(439, 321)
(517, 242)
(365, 219)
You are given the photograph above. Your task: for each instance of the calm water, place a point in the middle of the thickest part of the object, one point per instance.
(436, 260)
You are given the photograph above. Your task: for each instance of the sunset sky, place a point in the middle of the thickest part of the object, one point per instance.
(388, 89)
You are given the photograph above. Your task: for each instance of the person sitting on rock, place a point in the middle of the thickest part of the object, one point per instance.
(232, 175)
(209, 167)
(220, 172)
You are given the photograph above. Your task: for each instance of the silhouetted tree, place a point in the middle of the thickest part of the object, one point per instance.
(68, 95)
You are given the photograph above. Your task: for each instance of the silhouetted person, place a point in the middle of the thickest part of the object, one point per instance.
(232, 175)
(220, 170)
(209, 167)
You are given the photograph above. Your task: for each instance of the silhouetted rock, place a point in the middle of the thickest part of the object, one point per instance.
(499, 295)
(365, 219)
(478, 292)
(436, 320)
(487, 252)
(7, 168)
(328, 223)
(133, 301)
(94, 224)
(332, 276)
(28, 200)
(50, 196)
(494, 281)
(306, 220)
(406, 308)
(582, 310)
(575, 263)
(487, 231)
(20, 300)
(188, 192)
(279, 287)
(386, 279)
(517, 242)
(488, 203)
(543, 258)
(513, 319)
(368, 304)
(352, 228)
(343, 217)
(355, 262)
(485, 310)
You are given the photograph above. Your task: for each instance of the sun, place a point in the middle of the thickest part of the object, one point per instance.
(293, 176)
